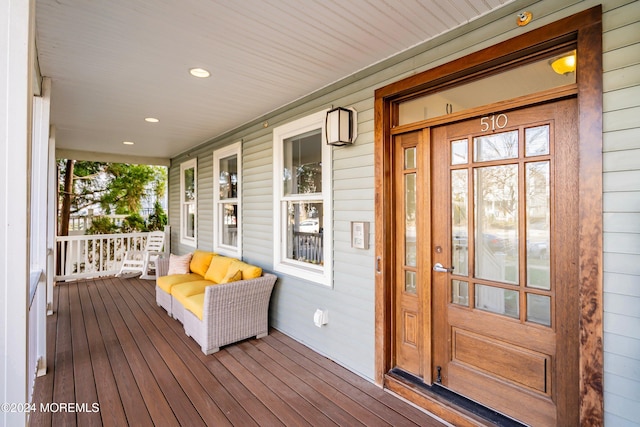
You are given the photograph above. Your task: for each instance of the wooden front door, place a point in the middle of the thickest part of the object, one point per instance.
(487, 296)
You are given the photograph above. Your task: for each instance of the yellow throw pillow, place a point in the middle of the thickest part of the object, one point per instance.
(200, 262)
(179, 264)
(233, 275)
(218, 268)
(248, 271)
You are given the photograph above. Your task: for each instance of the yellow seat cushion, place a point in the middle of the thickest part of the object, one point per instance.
(218, 268)
(200, 262)
(167, 282)
(184, 290)
(248, 271)
(194, 304)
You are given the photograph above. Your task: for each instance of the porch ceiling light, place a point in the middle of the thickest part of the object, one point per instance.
(341, 126)
(565, 64)
(199, 72)
(128, 142)
(151, 120)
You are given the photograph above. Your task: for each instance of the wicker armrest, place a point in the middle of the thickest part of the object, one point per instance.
(237, 310)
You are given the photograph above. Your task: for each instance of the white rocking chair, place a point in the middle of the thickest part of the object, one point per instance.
(141, 262)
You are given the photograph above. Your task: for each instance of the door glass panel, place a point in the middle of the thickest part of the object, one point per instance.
(496, 220)
(410, 158)
(497, 300)
(459, 152)
(537, 141)
(460, 229)
(539, 309)
(410, 219)
(538, 225)
(498, 146)
(410, 283)
(460, 293)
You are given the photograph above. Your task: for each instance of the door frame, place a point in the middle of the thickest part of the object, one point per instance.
(583, 30)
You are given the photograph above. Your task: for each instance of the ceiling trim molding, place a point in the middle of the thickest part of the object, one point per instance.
(94, 156)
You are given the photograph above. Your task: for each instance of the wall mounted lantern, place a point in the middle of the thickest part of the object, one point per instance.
(341, 126)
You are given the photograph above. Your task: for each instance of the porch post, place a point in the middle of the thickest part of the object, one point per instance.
(16, 61)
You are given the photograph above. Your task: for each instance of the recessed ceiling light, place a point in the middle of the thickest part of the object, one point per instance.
(199, 72)
(151, 120)
(128, 142)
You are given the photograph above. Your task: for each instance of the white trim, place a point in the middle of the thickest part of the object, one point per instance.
(184, 239)
(16, 92)
(222, 153)
(319, 274)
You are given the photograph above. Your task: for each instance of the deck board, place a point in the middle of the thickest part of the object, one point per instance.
(127, 392)
(108, 343)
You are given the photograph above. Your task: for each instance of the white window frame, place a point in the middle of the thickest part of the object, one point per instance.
(184, 239)
(322, 274)
(218, 215)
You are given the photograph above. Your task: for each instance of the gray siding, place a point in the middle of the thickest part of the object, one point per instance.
(349, 336)
(621, 180)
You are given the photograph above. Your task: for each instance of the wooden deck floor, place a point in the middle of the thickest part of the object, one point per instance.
(116, 359)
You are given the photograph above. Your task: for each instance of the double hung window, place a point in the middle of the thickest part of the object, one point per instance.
(302, 200)
(227, 234)
(188, 202)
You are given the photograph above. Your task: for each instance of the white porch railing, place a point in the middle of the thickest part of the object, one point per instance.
(94, 255)
(83, 222)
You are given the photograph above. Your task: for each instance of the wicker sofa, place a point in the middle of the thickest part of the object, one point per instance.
(213, 313)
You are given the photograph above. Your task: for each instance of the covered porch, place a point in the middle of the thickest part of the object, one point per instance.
(122, 361)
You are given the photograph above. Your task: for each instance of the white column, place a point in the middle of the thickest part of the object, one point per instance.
(39, 221)
(52, 224)
(16, 37)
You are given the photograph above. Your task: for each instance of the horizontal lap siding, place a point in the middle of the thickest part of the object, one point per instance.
(621, 221)
(257, 199)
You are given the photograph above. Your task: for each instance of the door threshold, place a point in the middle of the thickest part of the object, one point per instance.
(444, 403)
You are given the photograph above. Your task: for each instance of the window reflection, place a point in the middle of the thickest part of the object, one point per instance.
(496, 220)
(303, 164)
(459, 220)
(498, 146)
(460, 293)
(410, 220)
(498, 300)
(410, 282)
(539, 309)
(537, 141)
(304, 232)
(538, 225)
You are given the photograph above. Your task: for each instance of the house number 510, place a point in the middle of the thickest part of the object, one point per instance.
(493, 122)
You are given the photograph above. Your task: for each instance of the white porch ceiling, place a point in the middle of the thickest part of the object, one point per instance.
(113, 63)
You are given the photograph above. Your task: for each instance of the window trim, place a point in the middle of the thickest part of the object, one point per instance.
(222, 153)
(318, 274)
(184, 239)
